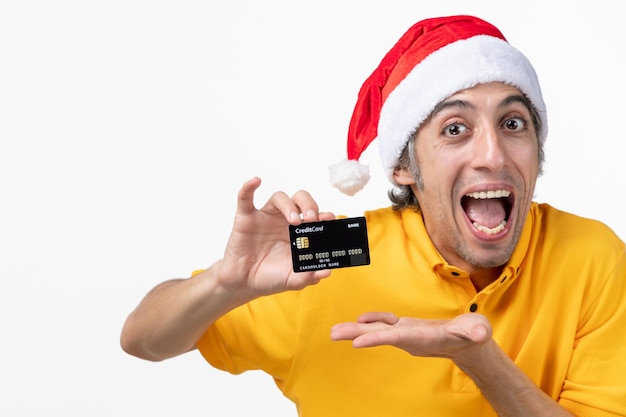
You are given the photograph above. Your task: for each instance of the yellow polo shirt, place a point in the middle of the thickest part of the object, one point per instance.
(558, 310)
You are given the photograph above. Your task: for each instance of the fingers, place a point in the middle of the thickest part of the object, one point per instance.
(366, 323)
(365, 334)
(384, 317)
(245, 197)
(301, 207)
(344, 331)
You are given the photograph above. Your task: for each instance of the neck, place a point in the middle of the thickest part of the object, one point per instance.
(484, 276)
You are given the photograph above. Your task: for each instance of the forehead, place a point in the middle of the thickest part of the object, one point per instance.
(494, 89)
(495, 95)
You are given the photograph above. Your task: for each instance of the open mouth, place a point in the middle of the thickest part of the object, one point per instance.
(488, 211)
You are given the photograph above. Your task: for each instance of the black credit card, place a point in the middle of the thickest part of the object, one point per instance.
(329, 244)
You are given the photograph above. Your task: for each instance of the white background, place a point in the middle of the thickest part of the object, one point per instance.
(127, 127)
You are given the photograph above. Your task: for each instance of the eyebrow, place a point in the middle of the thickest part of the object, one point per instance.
(518, 98)
(450, 103)
(515, 98)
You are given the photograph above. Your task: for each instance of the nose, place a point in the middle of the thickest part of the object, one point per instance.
(489, 148)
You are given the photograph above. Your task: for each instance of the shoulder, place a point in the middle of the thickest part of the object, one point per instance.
(569, 224)
(382, 215)
(383, 224)
(560, 229)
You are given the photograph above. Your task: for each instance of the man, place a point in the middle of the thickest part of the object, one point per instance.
(477, 301)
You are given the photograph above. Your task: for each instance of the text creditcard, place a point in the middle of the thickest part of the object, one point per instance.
(329, 244)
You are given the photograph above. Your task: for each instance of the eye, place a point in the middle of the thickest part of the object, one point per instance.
(455, 129)
(514, 124)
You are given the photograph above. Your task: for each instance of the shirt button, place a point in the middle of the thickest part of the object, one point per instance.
(473, 307)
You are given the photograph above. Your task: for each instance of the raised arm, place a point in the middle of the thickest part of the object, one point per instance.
(257, 261)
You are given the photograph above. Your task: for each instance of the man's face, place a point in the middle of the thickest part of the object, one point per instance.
(477, 155)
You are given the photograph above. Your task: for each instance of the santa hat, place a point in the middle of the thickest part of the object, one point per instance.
(434, 59)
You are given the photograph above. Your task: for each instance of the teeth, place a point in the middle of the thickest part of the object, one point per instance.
(489, 194)
(489, 231)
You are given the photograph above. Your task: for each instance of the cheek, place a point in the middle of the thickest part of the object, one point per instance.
(434, 198)
(525, 153)
(527, 164)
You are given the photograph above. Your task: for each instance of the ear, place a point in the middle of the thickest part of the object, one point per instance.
(402, 176)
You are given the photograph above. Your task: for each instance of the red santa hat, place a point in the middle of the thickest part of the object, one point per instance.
(434, 59)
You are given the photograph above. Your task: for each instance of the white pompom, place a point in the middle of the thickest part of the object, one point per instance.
(349, 176)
